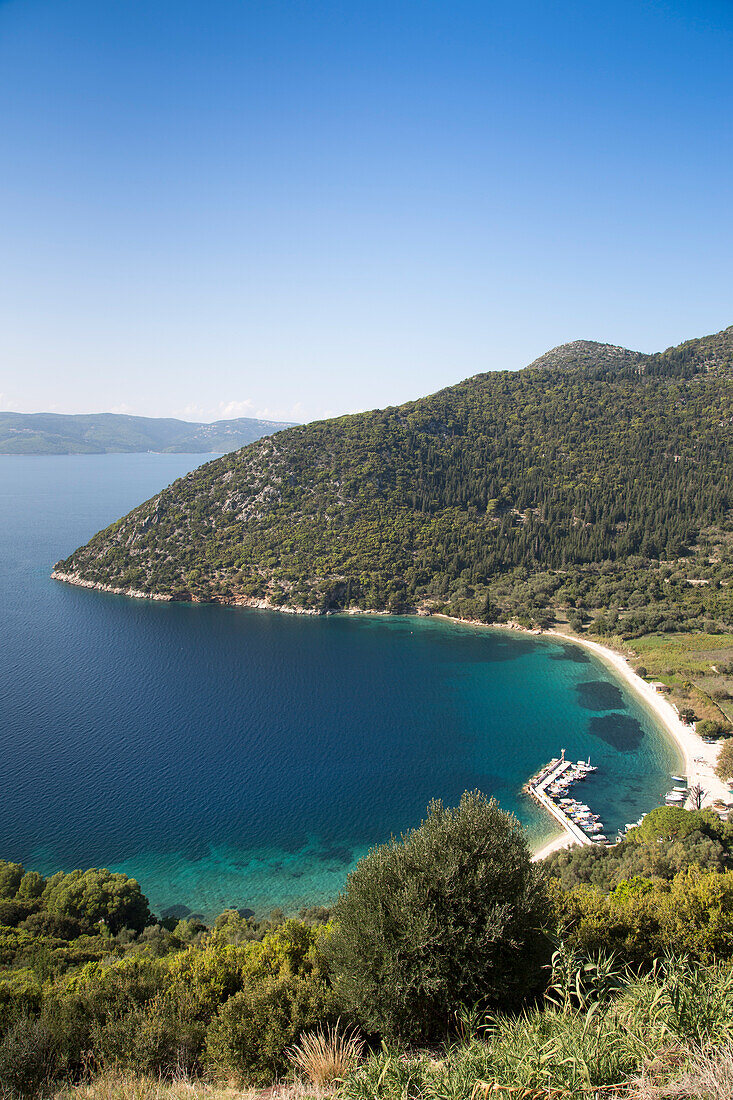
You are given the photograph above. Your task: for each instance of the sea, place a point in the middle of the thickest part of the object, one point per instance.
(238, 758)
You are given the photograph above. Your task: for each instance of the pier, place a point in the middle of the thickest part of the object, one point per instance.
(554, 781)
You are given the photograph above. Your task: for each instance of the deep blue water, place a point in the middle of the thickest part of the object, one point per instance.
(236, 757)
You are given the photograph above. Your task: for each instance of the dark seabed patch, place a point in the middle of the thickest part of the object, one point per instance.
(600, 695)
(620, 731)
(233, 758)
(574, 653)
(336, 853)
(178, 912)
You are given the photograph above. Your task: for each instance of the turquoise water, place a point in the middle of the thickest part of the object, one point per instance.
(231, 757)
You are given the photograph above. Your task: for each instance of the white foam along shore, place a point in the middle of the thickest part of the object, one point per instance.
(699, 759)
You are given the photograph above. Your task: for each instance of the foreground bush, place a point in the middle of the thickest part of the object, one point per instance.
(640, 920)
(450, 915)
(640, 1032)
(28, 1058)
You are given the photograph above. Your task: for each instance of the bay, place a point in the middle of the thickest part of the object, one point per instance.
(233, 757)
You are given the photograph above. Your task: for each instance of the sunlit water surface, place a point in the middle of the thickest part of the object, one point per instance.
(230, 757)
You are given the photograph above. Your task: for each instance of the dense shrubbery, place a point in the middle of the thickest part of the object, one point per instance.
(712, 729)
(724, 765)
(669, 840)
(439, 934)
(613, 1028)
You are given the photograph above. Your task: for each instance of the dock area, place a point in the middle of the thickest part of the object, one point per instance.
(550, 787)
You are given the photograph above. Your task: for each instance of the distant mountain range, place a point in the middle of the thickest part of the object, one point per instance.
(597, 478)
(109, 433)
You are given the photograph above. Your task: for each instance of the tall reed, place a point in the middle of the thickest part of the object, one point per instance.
(325, 1056)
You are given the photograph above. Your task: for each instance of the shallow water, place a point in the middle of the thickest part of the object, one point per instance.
(236, 757)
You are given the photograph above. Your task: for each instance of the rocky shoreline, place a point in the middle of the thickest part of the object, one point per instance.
(81, 582)
(238, 601)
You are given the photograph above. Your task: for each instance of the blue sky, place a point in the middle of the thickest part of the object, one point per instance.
(298, 209)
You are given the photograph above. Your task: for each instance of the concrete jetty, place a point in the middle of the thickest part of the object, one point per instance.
(567, 773)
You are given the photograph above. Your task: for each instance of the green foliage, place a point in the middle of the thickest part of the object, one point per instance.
(640, 921)
(253, 1029)
(668, 841)
(710, 728)
(622, 1025)
(452, 914)
(28, 1058)
(97, 897)
(149, 1003)
(724, 765)
(440, 932)
(598, 484)
(31, 886)
(11, 875)
(673, 823)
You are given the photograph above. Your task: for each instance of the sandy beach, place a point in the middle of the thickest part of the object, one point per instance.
(696, 758)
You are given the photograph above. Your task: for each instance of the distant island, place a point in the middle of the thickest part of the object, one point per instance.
(116, 433)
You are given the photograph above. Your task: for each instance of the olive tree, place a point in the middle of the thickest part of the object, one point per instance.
(450, 915)
(724, 766)
(95, 897)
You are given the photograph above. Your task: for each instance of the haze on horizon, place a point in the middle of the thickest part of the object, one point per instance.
(289, 211)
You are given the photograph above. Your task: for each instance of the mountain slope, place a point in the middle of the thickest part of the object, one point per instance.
(512, 492)
(101, 433)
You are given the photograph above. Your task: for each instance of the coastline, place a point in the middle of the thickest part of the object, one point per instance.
(698, 758)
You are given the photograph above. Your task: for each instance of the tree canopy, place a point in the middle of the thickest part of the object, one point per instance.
(450, 915)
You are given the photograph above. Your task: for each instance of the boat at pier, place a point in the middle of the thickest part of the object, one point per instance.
(550, 787)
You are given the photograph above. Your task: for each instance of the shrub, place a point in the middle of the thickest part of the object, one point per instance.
(11, 875)
(161, 1037)
(97, 897)
(711, 728)
(253, 1029)
(724, 766)
(450, 915)
(27, 1057)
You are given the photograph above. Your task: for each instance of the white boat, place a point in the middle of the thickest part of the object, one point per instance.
(675, 798)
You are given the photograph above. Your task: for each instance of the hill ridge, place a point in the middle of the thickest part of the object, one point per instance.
(606, 482)
(578, 353)
(104, 433)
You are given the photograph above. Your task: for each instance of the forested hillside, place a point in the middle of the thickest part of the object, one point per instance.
(104, 433)
(598, 479)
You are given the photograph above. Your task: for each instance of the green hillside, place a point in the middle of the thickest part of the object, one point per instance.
(102, 433)
(597, 479)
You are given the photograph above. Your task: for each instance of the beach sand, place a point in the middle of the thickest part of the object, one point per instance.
(699, 759)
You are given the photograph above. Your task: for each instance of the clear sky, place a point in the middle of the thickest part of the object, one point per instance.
(297, 209)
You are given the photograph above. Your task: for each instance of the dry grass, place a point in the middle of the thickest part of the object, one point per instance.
(115, 1086)
(118, 1086)
(327, 1056)
(709, 1076)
